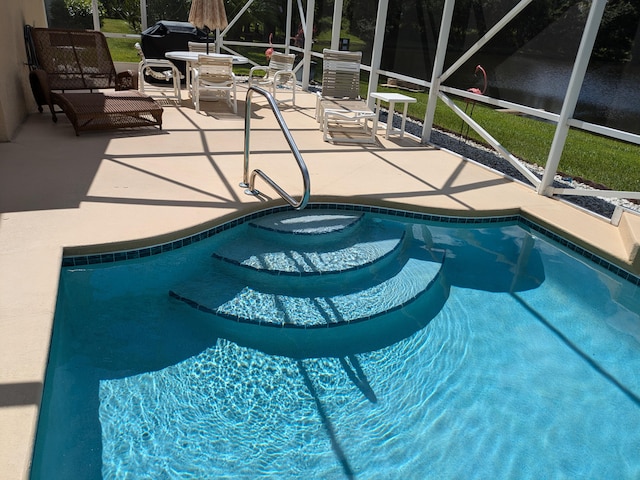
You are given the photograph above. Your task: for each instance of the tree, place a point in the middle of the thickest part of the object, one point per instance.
(167, 10)
(128, 10)
(75, 14)
(617, 31)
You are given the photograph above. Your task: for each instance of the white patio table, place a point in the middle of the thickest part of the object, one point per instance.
(392, 99)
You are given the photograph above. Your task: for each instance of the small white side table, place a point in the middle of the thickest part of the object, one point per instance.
(392, 99)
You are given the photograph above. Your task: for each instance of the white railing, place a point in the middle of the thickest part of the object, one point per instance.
(249, 179)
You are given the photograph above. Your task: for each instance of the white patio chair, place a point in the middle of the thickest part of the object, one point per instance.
(201, 47)
(276, 75)
(159, 69)
(339, 107)
(198, 47)
(214, 74)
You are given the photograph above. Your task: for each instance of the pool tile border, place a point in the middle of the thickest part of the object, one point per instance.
(95, 259)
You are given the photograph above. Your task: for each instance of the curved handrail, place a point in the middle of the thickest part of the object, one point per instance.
(249, 182)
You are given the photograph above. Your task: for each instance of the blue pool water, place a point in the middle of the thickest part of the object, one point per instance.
(494, 353)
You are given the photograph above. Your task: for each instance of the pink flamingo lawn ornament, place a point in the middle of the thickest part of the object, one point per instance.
(484, 77)
(477, 91)
(269, 51)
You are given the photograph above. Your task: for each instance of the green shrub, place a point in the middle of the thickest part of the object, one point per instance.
(74, 14)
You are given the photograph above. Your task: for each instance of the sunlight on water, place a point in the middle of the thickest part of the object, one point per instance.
(231, 403)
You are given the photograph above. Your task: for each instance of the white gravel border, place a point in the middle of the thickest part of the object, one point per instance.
(490, 158)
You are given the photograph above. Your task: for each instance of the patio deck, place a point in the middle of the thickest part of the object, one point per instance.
(114, 190)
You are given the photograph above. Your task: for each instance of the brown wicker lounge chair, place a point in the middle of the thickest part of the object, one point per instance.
(70, 70)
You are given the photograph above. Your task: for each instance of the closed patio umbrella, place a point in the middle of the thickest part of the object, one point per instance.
(208, 15)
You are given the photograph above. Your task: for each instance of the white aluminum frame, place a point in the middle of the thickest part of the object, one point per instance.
(564, 121)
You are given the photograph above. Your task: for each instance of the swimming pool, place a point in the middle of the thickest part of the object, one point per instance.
(500, 354)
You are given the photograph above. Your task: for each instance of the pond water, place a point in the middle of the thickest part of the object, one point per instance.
(609, 94)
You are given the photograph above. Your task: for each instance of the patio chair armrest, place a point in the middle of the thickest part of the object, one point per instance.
(162, 63)
(126, 81)
(258, 68)
(338, 113)
(283, 73)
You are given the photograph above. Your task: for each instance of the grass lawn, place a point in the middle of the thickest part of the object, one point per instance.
(122, 49)
(323, 40)
(609, 162)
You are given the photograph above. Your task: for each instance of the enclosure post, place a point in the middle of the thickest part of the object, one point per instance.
(337, 24)
(308, 41)
(143, 15)
(571, 97)
(441, 51)
(378, 42)
(95, 13)
(287, 34)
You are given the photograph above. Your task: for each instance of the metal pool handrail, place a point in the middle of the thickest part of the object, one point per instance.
(249, 182)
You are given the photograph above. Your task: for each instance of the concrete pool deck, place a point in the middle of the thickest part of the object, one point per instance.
(62, 194)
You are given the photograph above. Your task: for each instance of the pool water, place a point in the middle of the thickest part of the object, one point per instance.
(515, 359)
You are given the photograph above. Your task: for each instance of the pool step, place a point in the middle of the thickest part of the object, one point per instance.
(309, 222)
(240, 302)
(300, 243)
(307, 273)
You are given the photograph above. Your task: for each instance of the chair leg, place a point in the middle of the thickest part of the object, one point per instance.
(176, 84)
(140, 79)
(235, 99)
(319, 111)
(324, 126)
